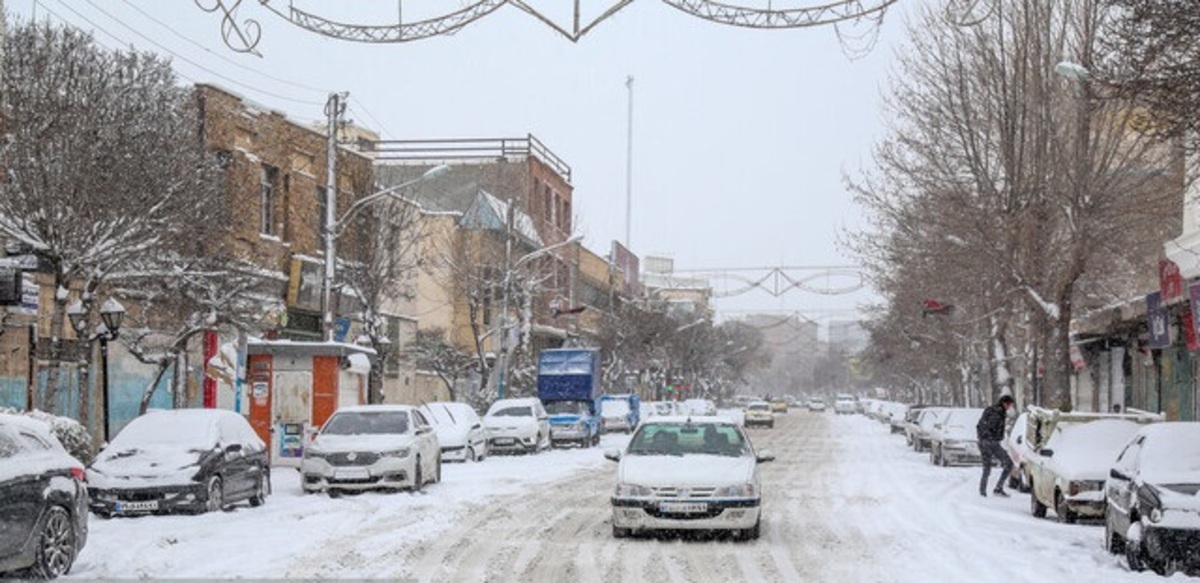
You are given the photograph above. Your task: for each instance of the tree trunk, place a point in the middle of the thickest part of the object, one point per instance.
(49, 401)
(375, 377)
(148, 393)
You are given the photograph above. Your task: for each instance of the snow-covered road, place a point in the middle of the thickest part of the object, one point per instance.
(846, 501)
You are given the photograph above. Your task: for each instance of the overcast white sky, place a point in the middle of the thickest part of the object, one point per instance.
(741, 136)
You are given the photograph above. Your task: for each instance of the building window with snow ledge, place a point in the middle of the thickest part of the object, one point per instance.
(266, 199)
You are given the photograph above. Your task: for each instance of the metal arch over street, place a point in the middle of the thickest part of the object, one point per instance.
(243, 35)
(777, 281)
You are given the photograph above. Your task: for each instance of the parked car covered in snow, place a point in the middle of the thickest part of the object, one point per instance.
(619, 413)
(1016, 445)
(191, 460)
(1068, 472)
(1153, 509)
(896, 413)
(816, 406)
(662, 409)
(701, 407)
(459, 431)
(952, 438)
(369, 447)
(681, 473)
(43, 499)
(918, 432)
(517, 425)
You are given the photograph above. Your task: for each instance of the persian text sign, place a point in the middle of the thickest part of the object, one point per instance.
(1159, 321)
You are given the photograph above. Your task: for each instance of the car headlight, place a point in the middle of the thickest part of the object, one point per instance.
(747, 490)
(314, 453)
(402, 452)
(1156, 515)
(633, 490)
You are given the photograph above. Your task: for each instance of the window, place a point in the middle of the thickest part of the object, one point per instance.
(224, 159)
(266, 199)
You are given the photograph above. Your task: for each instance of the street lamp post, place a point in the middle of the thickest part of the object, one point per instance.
(112, 314)
(333, 229)
(501, 378)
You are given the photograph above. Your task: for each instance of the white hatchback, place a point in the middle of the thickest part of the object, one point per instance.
(680, 473)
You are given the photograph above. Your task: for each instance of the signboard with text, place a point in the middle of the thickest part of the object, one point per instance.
(1158, 319)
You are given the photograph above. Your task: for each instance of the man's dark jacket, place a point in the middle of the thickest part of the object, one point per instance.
(991, 423)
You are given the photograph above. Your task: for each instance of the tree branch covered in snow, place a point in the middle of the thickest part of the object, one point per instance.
(103, 163)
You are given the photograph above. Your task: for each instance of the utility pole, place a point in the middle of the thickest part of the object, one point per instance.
(629, 167)
(334, 108)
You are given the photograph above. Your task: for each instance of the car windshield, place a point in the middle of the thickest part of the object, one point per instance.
(513, 412)
(367, 423)
(168, 430)
(677, 439)
(567, 408)
(1172, 453)
(8, 446)
(759, 407)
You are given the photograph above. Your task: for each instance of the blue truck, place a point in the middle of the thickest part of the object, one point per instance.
(568, 384)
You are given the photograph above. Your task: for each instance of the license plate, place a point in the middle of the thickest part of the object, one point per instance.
(682, 507)
(136, 506)
(352, 474)
(505, 441)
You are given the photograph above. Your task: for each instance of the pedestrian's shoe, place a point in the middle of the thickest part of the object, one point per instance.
(983, 493)
(1000, 493)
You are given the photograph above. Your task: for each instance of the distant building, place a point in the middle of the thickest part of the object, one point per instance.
(684, 297)
(848, 335)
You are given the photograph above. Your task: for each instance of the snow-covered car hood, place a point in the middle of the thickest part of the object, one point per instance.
(954, 433)
(360, 443)
(685, 470)
(141, 468)
(452, 435)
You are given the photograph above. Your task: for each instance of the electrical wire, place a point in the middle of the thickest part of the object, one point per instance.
(175, 54)
(220, 56)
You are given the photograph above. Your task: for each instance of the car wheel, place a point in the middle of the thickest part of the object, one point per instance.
(1062, 510)
(264, 487)
(56, 545)
(1113, 543)
(1036, 508)
(619, 532)
(751, 533)
(334, 493)
(418, 479)
(471, 454)
(437, 472)
(1135, 555)
(216, 495)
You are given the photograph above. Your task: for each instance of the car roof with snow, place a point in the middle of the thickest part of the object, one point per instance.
(376, 409)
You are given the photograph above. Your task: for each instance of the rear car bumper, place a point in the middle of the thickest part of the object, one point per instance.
(139, 501)
(722, 514)
(319, 475)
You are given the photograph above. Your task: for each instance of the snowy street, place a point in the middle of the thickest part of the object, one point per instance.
(845, 501)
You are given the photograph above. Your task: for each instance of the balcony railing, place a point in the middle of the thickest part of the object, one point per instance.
(469, 149)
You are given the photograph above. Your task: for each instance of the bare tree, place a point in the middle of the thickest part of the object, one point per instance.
(383, 262)
(431, 352)
(103, 167)
(1002, 183)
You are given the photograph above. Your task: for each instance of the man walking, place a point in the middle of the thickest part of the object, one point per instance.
(990, 431)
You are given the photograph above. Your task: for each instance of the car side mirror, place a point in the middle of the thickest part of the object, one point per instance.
(1046, 453)
(612, 455)
(476, 426)
(1117, 475)
(424, 430)
(765, 455)
(233, 448)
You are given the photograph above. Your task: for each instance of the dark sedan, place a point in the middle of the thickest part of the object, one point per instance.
(187, 460)
(44, 521)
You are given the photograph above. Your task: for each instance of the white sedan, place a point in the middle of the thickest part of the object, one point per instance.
(688, 474)
(372, 447)
(459, 431)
